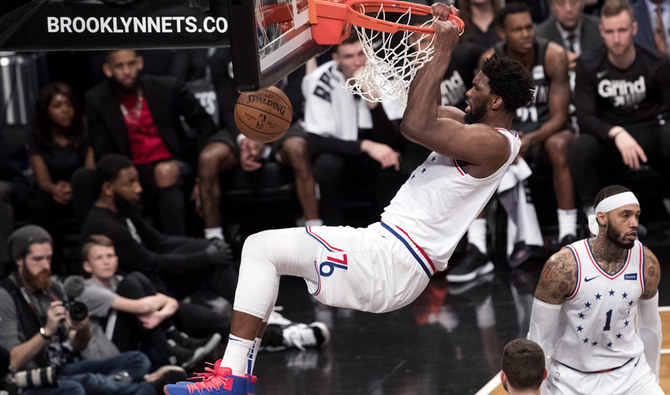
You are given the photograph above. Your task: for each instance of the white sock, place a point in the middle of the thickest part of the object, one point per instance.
(567, 222)
(314, 222)
(589, 210)
(477, 234)
(237, 354)
(214, 233)
(252, 356)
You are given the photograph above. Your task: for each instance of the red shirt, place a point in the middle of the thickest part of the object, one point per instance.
(146, 145)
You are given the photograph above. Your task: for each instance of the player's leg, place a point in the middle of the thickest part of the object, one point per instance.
(293, 152)
(214, 158)
(557, 148)
(265, 257)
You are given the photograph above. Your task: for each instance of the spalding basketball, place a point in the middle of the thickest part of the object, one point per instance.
(264, 115)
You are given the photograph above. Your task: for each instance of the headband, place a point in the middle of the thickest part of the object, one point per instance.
(610, 203)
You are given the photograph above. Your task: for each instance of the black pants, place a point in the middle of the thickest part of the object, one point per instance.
(220, 279)
(595, 163)
(360, 178)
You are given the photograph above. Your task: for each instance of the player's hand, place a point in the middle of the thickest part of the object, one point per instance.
(631, 152)
(382, 153)
(250, 154)
(446, 31)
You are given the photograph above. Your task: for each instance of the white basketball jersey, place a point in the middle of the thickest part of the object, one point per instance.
(596, 326)
(439, 201)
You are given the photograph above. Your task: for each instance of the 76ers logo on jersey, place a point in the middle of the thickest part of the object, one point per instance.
(328, 267)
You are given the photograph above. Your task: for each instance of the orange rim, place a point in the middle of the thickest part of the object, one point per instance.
(332, 19)
(359, 19)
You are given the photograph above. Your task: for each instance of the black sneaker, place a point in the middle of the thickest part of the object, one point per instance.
(185, 340)
(188, 358)
(472, 264)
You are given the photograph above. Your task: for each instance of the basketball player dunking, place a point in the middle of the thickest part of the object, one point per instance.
(595, 312)
(388, 264)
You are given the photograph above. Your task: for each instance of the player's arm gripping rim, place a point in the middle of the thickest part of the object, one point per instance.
(558, 278)
(424, 122)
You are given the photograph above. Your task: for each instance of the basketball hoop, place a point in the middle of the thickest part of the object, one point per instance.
(395, 48)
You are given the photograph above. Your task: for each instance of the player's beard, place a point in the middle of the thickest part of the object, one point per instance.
(40, 281)
(616, 239)
(475, 115)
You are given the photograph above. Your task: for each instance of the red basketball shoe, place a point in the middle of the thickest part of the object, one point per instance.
(215, 381)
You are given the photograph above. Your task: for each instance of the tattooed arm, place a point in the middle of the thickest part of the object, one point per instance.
(558, 278)
(649, 322)
(652, 274)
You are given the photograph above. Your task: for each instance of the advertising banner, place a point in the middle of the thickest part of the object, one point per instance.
(42, 25)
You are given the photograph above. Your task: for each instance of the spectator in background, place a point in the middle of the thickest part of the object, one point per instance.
(13, 185)
(464, 62)
(134, 315)
(178, 265)
(39, 331)
(139, 116)
(576, 32)
(58, 146)
(653, 25)
(622, 98)
(479, 17)
(522, 367)
(139, 317)
(352, 139)
(542, 124)
(290, 150)
(570, 27)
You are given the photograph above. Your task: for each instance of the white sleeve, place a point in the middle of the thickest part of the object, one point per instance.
(649, 326)
(543, 318)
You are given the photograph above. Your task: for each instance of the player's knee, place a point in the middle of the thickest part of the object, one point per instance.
(255, 246)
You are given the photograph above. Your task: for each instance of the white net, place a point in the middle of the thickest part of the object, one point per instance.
(393, 59)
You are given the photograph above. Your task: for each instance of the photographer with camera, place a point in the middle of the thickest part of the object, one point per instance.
(42, 329)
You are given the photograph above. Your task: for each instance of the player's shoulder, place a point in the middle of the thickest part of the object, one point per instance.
(650, 257)
(564, 256)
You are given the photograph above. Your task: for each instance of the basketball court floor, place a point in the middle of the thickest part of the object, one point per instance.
(449, 341)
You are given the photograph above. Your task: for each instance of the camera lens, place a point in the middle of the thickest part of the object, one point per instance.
(40, 377)
(78, 311)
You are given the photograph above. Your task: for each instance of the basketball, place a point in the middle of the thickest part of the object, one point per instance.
(264, 115)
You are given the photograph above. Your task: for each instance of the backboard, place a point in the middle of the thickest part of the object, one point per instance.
(269, 39)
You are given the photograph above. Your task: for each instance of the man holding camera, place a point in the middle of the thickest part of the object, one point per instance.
(40, 329)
